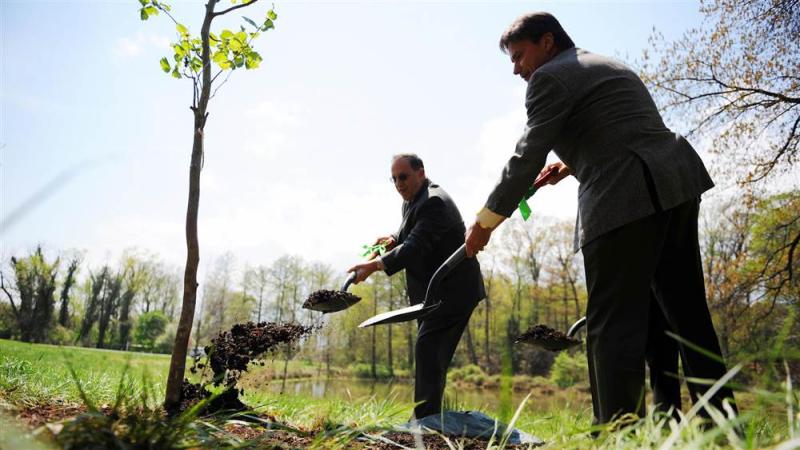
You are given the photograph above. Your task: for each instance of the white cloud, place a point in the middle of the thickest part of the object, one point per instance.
(495, 145)
(132, 46)
(166, 238)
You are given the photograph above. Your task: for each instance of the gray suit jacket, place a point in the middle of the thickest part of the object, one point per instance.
(432, 229)
(599, 118)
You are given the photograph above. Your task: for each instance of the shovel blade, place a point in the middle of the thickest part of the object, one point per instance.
(399, 315)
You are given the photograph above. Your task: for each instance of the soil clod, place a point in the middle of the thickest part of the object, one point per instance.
(547, 338)
(229, 355)
(330, 301)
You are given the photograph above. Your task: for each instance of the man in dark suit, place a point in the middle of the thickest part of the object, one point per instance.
(638, 199)
(431, 230)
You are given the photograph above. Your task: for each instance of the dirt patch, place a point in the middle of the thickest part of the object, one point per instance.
(547, 338)
(229, 356)
(330, 301)
(280, 439)
(36, 416)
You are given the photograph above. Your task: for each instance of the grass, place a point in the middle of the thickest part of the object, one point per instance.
(31, 375)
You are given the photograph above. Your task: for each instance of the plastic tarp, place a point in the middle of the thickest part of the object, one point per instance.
(471, 424)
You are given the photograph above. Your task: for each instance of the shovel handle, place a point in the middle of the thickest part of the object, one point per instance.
(348, 281)
(444, 269)
(573, 330)
(544, 179)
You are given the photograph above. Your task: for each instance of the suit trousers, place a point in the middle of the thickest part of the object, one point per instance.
(651, 263)
(437, 339)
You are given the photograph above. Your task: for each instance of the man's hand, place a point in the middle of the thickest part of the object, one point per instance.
(476, 239)
(363, 270)
(387, 241)
(563, 172)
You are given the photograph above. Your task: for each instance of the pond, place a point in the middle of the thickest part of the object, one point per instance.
(456, 397)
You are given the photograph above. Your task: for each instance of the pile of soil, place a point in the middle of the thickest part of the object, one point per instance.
(229, 355)
(547, 338)
(330, 301)
(228, 400)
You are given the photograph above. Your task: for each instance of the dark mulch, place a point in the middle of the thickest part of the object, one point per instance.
(280, 439)
(36, 416)
(330, 301)
(229, 356)
(547, 338)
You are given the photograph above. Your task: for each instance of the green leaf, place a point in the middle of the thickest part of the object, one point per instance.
(267, 25)
(151, 10)
(165, 65)
(196, 64)
(226, 34)
(182, 29)
(179, 51)
(252, 63)
(143, 2)
(250, 21)
(219, 57)
(234, 45)
(271, 14)
(241, 37)
(224, 65)
(143, 14)
(175, 72)
(213, 37)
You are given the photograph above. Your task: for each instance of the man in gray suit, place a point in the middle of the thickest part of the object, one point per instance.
(638, 199)
(431, 230)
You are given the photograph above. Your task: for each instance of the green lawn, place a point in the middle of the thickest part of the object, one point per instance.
(33, 374)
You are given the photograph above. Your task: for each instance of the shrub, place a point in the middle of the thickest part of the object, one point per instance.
(568, 370)
(364, 370)
(469, 373)
(149, 327)
(59, 335)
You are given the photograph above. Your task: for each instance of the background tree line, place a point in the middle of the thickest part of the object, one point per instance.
(531, 274)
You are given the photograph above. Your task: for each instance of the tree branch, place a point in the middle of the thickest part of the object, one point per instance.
(10, 298)
(232, 8)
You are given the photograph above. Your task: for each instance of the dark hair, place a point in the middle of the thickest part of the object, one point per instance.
(413, 160)
(533, 26)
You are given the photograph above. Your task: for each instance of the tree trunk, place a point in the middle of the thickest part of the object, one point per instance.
(63, 315)
(389, 356)
(107, 309)
(177, 364)
(473, 356)
(373, 368)
(410, 342)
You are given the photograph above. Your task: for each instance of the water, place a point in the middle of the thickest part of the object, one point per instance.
(457, 397)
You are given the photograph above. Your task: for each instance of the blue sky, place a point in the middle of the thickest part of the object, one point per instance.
(298, 151)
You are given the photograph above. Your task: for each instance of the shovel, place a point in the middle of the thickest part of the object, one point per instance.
(337, 301)
(555, 341)
(428, 306)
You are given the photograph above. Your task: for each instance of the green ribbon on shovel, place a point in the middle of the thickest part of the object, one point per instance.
(524, 208)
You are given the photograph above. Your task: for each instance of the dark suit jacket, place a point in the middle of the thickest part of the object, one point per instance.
(599, 118)
(432, 229)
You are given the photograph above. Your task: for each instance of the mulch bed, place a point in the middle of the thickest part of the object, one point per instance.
(548, 338)
(36, 416)
(279, 439)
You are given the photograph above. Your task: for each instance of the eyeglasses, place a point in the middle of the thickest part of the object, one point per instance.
(402, 177)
